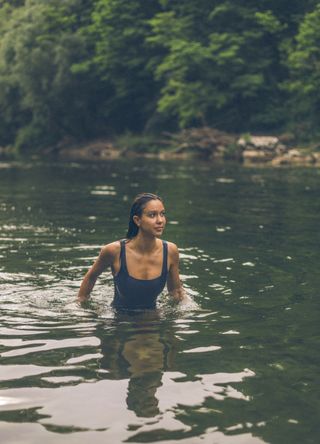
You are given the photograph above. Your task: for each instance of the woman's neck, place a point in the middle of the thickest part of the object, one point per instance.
(144, 243)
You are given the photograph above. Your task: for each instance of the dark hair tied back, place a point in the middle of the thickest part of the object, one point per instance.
(137, 208)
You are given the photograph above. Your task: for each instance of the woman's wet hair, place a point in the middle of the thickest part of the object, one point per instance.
(137, 208)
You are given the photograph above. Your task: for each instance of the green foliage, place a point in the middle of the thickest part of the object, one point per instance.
(41, 99)
(304, 64)
(72, 68)
(119, 29)
(203, 78)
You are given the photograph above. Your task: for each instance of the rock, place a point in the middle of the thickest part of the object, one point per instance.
(254, 156)
(7, 152)
(281, 149)
(258, 142)
(316, 157)
(280, 160)
(295, 157)
(261, 148)
(294, 153)
(91, 151)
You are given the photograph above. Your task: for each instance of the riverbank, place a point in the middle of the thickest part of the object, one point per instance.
(204, 143)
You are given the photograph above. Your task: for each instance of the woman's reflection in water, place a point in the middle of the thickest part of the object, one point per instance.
(140, 346)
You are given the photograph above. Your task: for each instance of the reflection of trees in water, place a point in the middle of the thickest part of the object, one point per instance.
(139, 347)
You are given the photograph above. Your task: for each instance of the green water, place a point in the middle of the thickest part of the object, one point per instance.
(242, 368)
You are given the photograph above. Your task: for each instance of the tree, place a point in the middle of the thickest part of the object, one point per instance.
(221, 77)
(42, 98)
(304, 82)
(119, 29)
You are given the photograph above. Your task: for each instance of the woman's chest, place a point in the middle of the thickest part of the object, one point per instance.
(144, 267)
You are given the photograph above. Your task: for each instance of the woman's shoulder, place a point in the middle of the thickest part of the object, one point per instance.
(111, 250)
(172, 249)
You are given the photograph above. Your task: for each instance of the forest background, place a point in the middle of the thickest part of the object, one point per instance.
(81, 70)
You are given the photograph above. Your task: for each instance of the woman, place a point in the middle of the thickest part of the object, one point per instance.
(141, 264)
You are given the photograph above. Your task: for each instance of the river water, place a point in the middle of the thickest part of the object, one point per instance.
(240, 366)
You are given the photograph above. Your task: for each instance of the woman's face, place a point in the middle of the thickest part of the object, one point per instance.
(152, 219)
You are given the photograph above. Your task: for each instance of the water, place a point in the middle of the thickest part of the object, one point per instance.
(242, 367)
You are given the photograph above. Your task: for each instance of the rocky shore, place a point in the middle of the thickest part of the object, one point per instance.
(270, 150)
(203, 143)
(213, 145)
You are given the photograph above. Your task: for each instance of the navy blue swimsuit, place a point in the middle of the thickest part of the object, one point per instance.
(138, 293)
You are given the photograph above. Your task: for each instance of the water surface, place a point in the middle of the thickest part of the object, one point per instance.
(240, 367)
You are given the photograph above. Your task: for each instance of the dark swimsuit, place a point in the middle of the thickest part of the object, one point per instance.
(130, 292)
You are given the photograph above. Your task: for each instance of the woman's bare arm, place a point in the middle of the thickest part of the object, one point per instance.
(174, 284)
(104, 260)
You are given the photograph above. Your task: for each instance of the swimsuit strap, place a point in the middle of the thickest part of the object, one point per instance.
(123, 262)
(165, 259)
